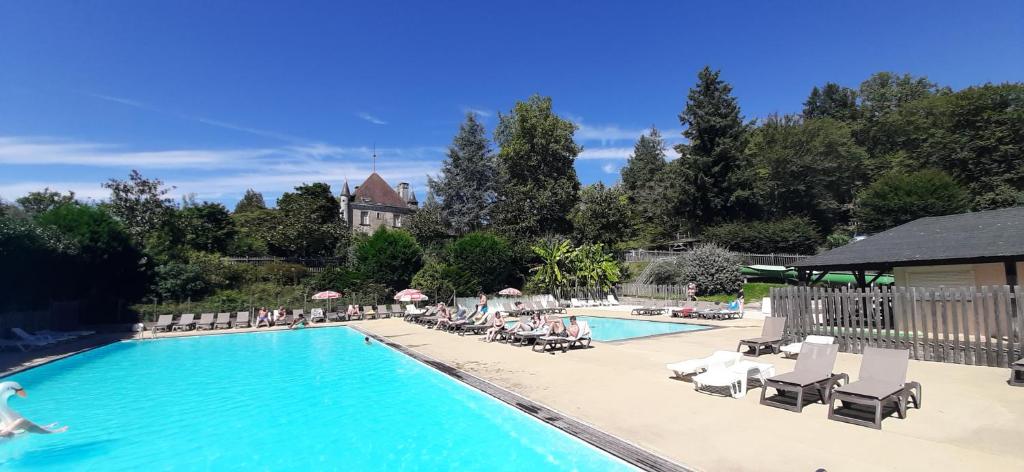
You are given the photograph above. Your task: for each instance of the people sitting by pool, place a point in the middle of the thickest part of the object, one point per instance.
(528, 326)
(298, 322)
(574, 329)
(496, 328)
(353, 310)
(263, 317)
(282, 313)
(557, 327)
(444, 317)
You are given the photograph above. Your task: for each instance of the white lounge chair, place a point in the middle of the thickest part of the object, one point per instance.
(794, 348)
(612, 301)
(411, 309)
(18, 343)
(694, 366)
(734, 376)
(33, 339)
(575, 302)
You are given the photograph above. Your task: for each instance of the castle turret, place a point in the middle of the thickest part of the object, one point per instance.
(343, 200)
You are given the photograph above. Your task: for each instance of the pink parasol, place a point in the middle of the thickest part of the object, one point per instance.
(511, 292)
(326, 295)
(410, 295)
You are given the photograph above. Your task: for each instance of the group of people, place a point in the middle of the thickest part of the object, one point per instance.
(279, 316)
(538, 322)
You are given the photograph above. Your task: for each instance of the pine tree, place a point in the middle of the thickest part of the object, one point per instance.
(832, 101)
(714, 154)
(466, 185)
(537, 182)
(644, 180)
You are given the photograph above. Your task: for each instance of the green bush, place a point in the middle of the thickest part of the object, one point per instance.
(485, 257)
(440, 281)
(389, 257)
(283, 273)
(897, 198)
(790, 235)
(712, 268)
(666, 272)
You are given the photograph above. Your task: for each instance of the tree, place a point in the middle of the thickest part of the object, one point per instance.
(466, 184)
(140, 204)
(206, 227)
(552, 275)
(716, 135)
(806, 168)
(309, 224)
(831, 101)
(443, 281)
(537, 181)
(428, 225)
(251, 201)
(602, 215)
(252, 236)
(645, 180)
(898, 198)
(794, 235)
(36, 203)
(886, 92)
(485, 257)
(593, 267)
(389, 257)
(713, 269)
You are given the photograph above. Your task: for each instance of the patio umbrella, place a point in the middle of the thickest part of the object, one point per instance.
(326, 295)
(410, 295)
(511, 292)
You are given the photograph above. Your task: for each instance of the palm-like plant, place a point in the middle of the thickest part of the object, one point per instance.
(593, 267)
(551, 274)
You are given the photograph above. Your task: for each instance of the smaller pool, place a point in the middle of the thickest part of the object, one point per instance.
(617, 329)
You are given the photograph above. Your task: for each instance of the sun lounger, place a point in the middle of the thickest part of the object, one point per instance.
(1017, 373)
(369, 313)
(242, 320)
(335, 316)
(298, 312)
(163, 323)
(287, 320)
(793, 349)
(412, 312)
(735, 376)
(205, 321)
(565, 342)
(396, 310)
(524, 338)
(22, 345)
(185, 322)
(65, 334)
(477, 328)
(382, 311)
(694, 366)
(813, 370)
(612, 301)
(771, 337)
(32, 339)
(223, 321)
(882, 380)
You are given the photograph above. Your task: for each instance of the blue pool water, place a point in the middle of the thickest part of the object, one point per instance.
(315, 399)
(616, 329)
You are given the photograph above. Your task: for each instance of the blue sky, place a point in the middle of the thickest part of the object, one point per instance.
(216, 97)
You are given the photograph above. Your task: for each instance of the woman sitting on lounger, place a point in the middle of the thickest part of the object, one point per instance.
(444, 317)
(496, 328)
(353, 310)
(574, 329)
(263, 317)
(521, 327)
(282, 312)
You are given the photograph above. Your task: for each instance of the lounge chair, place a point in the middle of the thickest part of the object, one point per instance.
(298, 312)
(813, 370)
(242, 320)
(1017, 373)
(575, 303)
(694, 366)
(65, 334)
(735, 376)
(612, 301)
(523, 339)
(22, 345)
(163, 323)
(185, 322)
(396, 310)
(882, 380)
(335, 316)
(477, 328)
(286, 321)
(317, 315)
(368, 312)
(382, 311)
(411, 312)
(205, 321)
(771, 337)
(793, 349)
(565, 342)
(223, 321)
(32, 339)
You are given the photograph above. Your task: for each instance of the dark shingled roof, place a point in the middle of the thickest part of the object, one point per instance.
(984, 236)
(376, 190)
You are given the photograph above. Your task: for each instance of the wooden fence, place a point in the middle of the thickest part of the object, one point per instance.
(664, 292)
(962, 325)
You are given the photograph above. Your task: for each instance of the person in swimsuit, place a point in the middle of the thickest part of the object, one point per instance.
(298, 322)
(497, 327)
(574, 329)
(263, 317)
(444, 317)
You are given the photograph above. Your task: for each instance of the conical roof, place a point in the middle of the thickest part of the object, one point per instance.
(376, 190)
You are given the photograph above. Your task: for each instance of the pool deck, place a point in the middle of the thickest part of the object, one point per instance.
(971, 419)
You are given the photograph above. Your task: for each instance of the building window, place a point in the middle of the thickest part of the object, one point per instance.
(378, 215)
(398, 221)
(364, 218)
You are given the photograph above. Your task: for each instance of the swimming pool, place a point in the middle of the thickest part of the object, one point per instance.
(617, 329)
(310, 399)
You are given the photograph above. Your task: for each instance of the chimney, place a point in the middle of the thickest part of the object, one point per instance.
(403, 191)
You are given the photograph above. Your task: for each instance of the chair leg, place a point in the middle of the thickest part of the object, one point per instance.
(800, 400)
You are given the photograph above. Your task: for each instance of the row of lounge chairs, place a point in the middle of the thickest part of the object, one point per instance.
(609, 300)
(461, 323)
(26, 341)
(243, 319)
(681, 309)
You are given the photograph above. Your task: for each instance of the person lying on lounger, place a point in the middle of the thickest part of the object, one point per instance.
(574, 329)
(298, 322)
(444, 317)
(496, 328)
(353, 310)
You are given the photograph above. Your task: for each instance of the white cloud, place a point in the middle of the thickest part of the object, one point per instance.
(605, 153)
(607, 134)
(477, 111)
(371, 118)
(610, 168)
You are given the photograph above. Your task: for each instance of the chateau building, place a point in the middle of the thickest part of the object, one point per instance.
(375, 204)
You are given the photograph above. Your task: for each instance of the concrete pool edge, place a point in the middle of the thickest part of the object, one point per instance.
(617, 447)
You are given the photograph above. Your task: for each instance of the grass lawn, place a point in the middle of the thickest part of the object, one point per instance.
(752, 292)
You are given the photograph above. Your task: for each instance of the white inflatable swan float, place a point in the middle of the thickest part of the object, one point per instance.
(11, 422)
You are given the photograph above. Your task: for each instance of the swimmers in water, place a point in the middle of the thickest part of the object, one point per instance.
(366, 339)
